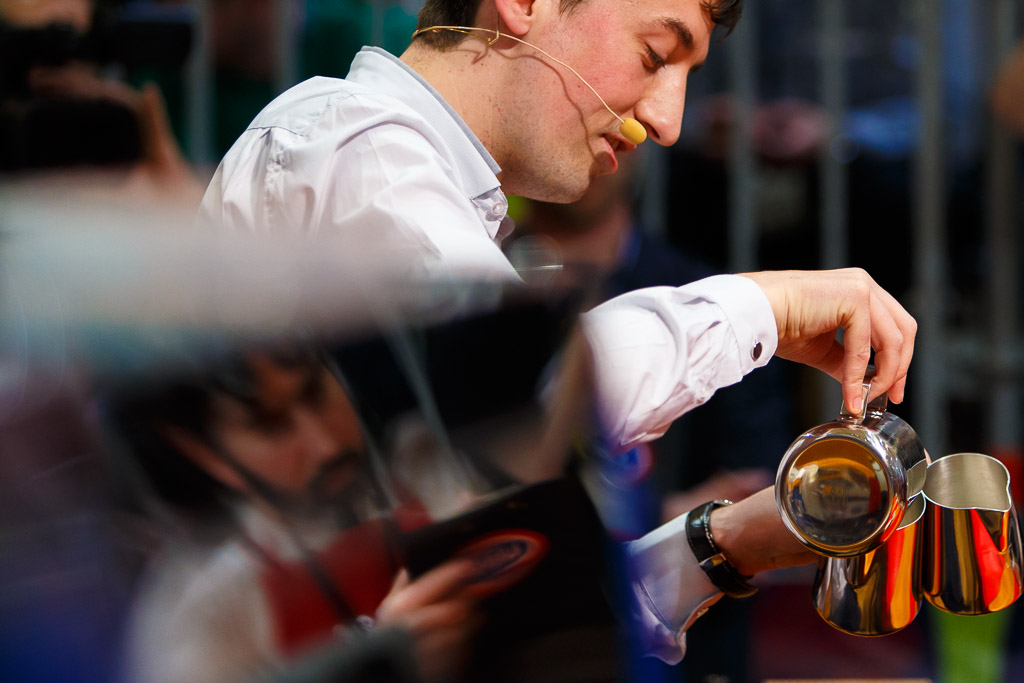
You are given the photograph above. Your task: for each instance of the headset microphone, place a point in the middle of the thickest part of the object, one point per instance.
(630, 128)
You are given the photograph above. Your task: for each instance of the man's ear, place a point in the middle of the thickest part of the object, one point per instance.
(203, 456)
(520, 15)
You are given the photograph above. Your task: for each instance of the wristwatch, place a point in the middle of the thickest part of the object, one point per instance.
(710, 558)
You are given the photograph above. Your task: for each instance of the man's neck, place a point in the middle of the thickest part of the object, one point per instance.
(464, 78)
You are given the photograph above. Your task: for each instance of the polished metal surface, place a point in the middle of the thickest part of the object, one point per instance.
(842, 488)
(972, 554)
(877, 593)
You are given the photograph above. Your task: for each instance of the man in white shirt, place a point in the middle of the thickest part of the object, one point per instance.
(419, 150)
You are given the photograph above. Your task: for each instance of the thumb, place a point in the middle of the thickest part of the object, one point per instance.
(401, 581)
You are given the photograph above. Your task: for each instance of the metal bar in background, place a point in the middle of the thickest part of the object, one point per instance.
(199, 95)
(286, 48)
(929, 371)
(743, 172)
(832, 87)
(378, 19)
(834, 250)
(1003, 404)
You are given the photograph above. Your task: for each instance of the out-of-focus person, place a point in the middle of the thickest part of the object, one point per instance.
(1008, 91)
(725, 449)
(65, 123)
(291, 545)
(604, 233)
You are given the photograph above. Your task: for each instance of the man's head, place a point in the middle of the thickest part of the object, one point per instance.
(543, 125)
(275, 427)
(40, 13)
(725, 13)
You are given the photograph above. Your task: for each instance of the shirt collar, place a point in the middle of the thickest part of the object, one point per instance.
(387, 74)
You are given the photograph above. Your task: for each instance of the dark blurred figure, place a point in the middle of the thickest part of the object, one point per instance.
(64, 571)
(68, 557)
(326, 35)
(63, 120)
(727, 448)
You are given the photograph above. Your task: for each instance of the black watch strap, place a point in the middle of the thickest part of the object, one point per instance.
(712, 560)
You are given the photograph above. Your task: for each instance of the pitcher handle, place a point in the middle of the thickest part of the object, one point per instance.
(875, 407)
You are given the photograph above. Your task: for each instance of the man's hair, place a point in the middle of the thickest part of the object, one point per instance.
(725, 13)
(140, 416)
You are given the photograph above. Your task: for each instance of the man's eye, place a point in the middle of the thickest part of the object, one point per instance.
(270, 423)
(314, 392)
(656, 60)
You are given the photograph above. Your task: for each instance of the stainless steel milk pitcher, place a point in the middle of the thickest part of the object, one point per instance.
(972, 550)
(877, 593)
(843, 487)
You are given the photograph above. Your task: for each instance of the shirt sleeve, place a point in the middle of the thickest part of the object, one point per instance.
(669, 589)
(662, 351)
(383, 191)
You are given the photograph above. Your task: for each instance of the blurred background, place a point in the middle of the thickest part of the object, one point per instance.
(820, 134)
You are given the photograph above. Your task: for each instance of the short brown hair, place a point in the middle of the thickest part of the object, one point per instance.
(725, 13)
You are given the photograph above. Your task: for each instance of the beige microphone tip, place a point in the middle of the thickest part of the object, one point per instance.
(633, 131)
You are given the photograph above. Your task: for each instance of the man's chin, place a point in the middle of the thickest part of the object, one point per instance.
(336, 509)
(571, 192)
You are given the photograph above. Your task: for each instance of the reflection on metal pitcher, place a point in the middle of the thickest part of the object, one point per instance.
(877, 593)
(972, 561)
(843, 487)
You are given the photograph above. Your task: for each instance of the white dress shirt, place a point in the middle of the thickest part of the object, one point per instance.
(383, 160)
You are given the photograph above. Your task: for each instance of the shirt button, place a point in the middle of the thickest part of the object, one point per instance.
(755, 352)
(497, 212)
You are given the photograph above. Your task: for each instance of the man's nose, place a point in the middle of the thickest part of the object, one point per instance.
(661, 110)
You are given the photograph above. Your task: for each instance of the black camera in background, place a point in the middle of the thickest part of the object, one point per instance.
(50, 130)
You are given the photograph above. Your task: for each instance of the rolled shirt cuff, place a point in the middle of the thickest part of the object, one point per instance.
(670, 589)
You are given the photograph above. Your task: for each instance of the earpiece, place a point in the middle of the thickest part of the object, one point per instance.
(630, 128)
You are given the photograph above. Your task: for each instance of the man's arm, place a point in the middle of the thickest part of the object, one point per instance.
(662, 351)
(671, 589)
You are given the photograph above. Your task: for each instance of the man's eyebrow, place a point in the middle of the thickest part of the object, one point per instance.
(680, 29)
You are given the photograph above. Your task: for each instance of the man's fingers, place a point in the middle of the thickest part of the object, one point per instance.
(442, 615)
(809, 307)
(436, 585)
(857, 353)
(887, 340)
(908, 328)
(401, 581)
(897, 390)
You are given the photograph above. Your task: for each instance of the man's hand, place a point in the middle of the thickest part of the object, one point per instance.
(753, 537)
(810, 306)
(161, 177)
(439, 613)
